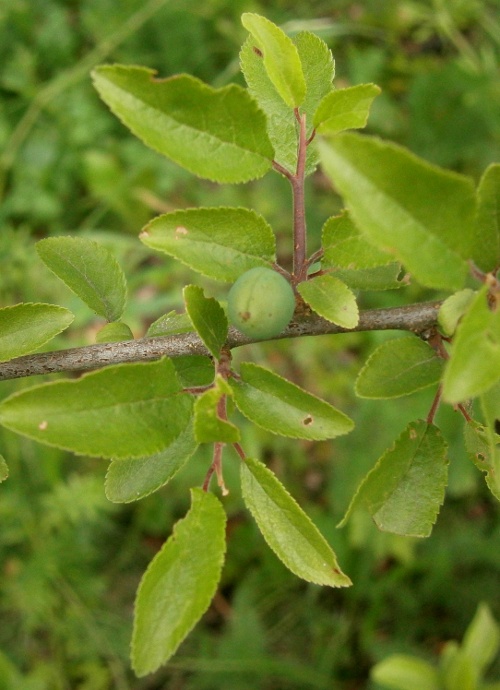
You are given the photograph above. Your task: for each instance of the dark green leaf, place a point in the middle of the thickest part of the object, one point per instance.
(405, 489)
(122, 411)
(179, 583)
(217, 134)
(89, 270)
(194, 370)
(287, 529)
(132, 479)
(487, 240)
(399, 367)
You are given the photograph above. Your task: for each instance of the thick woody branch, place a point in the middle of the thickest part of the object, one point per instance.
(417, 318)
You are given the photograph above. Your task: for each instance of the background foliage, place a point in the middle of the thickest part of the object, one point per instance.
(70, 560)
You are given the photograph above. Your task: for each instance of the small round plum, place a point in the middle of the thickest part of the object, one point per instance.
(261, 303)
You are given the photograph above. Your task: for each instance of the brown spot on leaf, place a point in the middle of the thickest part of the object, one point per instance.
(245, 315)
(257, 51)
(307, 420)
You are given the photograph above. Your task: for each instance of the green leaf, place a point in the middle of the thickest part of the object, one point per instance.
(287, 529)
(122, 411)
(345, 246)
(179, 584)
(457, 669)
(405, 489)
(194, 370)
(283, 408)
(482, 639)
(209, 427)
(114, 332)
(318, 68)
(331, 299)
(403, 672)
(4, 470)
(208, 318)
(483, 450)
(490, 406)
(280, 58)
(221, 243)
(420, 214)
(281, 123)
(452, 310)
(134, 478)
(487, 238)
(376, 278)
(399, 367)
(26, 327)
(217, 134)
(474, 365)
(89, 270)
(345, 109)
(170, 324)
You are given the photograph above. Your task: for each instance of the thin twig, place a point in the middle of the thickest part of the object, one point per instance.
(435, 405)
(416, 318)
(299, 211)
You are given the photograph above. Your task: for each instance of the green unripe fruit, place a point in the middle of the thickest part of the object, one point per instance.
(261, 303)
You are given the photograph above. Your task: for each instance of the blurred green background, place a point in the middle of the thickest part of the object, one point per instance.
(70, 561)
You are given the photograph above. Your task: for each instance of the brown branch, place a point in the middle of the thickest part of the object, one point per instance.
(415, 317)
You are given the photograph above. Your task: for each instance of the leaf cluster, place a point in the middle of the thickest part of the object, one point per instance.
(403, 217)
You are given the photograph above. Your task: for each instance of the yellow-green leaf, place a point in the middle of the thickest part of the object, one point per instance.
(179, 584)
(280, 57)
(287, 529)
(26, 327)
(217, 134)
